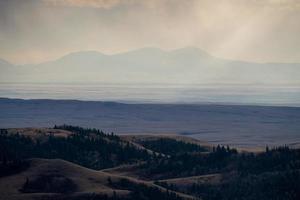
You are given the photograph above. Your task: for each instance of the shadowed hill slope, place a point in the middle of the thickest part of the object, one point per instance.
(184, 166)
(58, 179)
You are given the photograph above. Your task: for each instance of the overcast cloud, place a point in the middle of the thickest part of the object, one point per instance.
(33, 31)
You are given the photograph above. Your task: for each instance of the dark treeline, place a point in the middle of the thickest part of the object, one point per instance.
(279, 185)
(272, 174)
(52, 183)
(141, 191)
(188, 164)
(170, 146)
(87, 147)
(221, 160)
(87, 131)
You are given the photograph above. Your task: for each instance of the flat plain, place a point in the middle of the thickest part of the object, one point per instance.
(236, 125)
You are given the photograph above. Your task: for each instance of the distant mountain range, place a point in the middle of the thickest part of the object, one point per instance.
(151, 65)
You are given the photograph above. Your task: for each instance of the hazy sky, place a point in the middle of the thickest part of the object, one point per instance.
(33, 31)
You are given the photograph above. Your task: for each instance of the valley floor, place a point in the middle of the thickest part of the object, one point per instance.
(240, 126)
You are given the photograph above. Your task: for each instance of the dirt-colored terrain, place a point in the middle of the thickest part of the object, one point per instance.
(84, 181)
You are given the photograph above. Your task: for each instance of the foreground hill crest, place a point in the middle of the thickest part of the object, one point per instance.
(74, 163)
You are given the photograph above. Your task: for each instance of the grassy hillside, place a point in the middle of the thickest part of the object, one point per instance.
(139, 167)
(88, 147)
(57, 179)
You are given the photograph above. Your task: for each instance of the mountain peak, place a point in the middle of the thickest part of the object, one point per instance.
(4, 63)
(85, 53)
(144, 51)
(150, 49)
(81, 57)
(191, 50)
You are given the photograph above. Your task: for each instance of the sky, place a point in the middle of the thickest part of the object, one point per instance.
(34, 31)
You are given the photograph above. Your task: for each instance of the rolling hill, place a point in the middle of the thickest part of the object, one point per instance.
(59, 179)
(62, 163)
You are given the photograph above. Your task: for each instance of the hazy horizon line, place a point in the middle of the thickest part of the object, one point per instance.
(164, 50)
(149, 102)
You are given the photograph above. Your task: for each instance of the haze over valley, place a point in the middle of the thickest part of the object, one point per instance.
(187, 75)
(152, 65)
